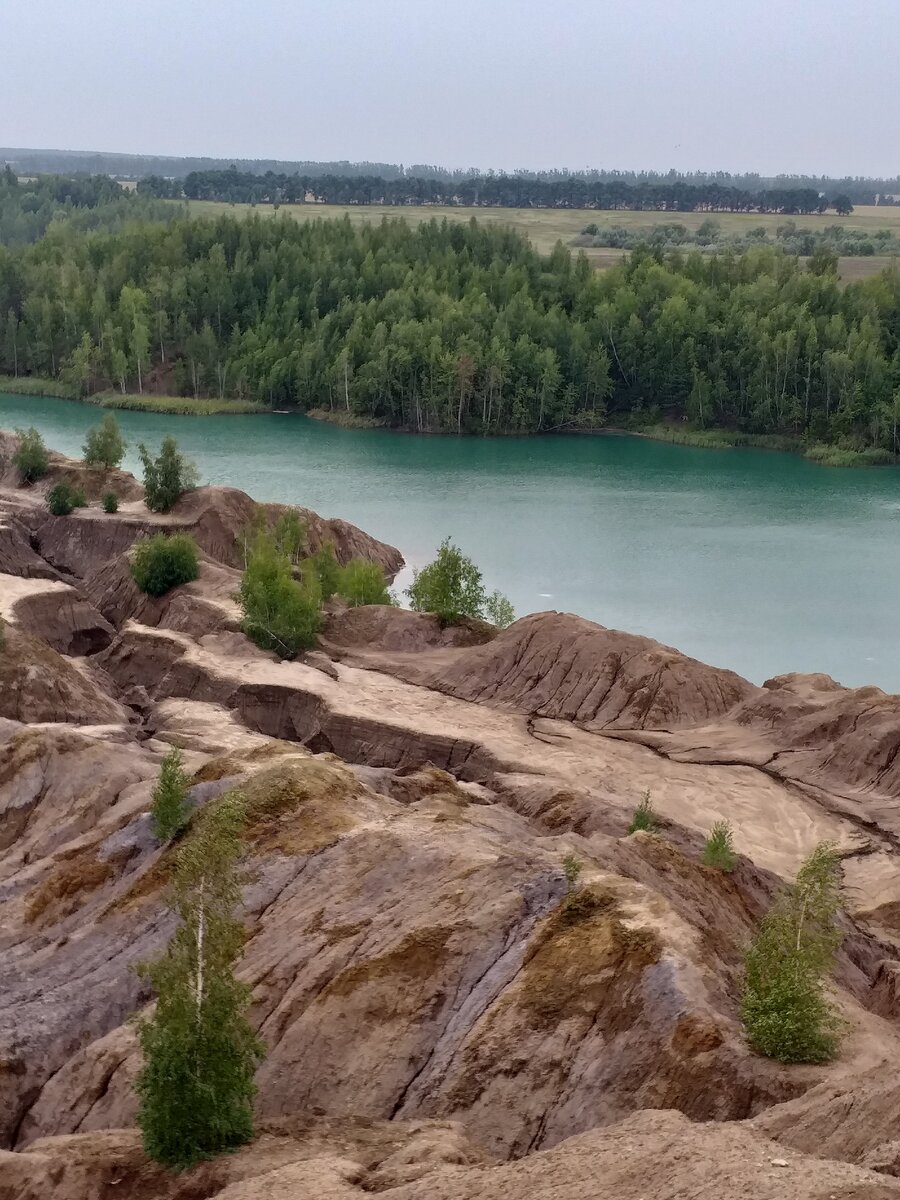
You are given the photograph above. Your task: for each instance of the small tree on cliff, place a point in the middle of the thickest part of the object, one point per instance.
(169, 812)
(785, 1008)
(452, 587)
(104, 445)
(167, 476)
(200, 1052)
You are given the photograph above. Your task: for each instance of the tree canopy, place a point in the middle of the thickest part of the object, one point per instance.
(462, 328)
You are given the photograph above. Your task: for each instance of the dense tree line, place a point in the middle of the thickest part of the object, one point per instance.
(860, 189)
(456, 327)
(490, 190)
(27, 208)
(833, 239)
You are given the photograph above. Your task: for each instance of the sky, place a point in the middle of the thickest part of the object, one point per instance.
(796, 86)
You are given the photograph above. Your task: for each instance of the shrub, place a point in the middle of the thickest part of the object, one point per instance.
(199, 1050)
(498, 610)
(280, 612)
(718, 851)
(290, 535)
(644, 817)
(169, 810)
(110, 502)
(63, 498)
(162, 562)
(451, 586)
(167, 476)
(363, 582)
(784, 1006)
(31, 455)
(572, 868)
(104, 445)
(327, 570)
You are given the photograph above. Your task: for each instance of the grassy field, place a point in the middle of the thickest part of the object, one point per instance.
(27, 385)
(546, 226)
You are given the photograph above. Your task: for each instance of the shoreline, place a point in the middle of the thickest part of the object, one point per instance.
(715, 438)
(181, 406)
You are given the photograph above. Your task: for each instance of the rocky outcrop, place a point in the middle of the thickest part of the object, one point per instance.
(561, 666)
(658, 1154)
(414, 952)
(39, 684)
(63, 619)
(377, 627)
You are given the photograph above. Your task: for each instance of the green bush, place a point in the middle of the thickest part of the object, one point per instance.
(572, 868)
(162, 562)
(110, 502)
(718, 851)
(327, 570)
(169, 800)
(104, 445)
(452, 587)
(785, 1009)
(166, 477)
(31, 455)
(363, 582)
(63, 499)
(498, 610)
(280, 613)
(644, 817)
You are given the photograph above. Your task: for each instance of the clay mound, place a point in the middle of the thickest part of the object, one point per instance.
(853, 1119)
(198, 608)
(380, 627)
(17, 557)
(852, 734)
(651, 1154)
(219, 518)
(376, 1154)
(64, 620)
(93, 481)
(656, 1154)
(38, 684)
(562, 666)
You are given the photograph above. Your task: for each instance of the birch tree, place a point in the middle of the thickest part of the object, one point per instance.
(196, 1085)
(785, 1008)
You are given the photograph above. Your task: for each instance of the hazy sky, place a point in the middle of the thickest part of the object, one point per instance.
(785, 85)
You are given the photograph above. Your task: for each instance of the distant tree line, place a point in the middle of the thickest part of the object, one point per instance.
(457, 327)
(28, 208)
(860, 189)
(490, 190)
(838, 240)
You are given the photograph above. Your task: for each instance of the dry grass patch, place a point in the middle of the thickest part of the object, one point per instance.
(585, 962)
(73, 876)
(418, 957)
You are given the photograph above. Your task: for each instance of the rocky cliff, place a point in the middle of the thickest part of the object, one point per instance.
(431, 1004)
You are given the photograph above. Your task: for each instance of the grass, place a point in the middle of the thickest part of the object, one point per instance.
(726, 439)
(544, 227)
(843, 456)
(31, 385)
(344, 419)
(179, 405)
(719, 439)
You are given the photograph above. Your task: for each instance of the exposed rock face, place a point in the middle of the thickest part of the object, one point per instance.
(414, 956)
(38, 684)
(658, 1154)
(561, 666)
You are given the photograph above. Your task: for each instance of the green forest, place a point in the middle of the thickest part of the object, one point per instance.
(456, 328)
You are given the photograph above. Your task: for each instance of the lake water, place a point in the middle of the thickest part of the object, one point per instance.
(752, 560)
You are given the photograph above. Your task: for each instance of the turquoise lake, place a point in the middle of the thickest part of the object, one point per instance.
(757, 561)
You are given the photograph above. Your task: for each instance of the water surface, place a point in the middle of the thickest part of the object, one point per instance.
(757, 561)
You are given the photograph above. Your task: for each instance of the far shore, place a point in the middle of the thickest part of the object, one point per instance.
(675, 433)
